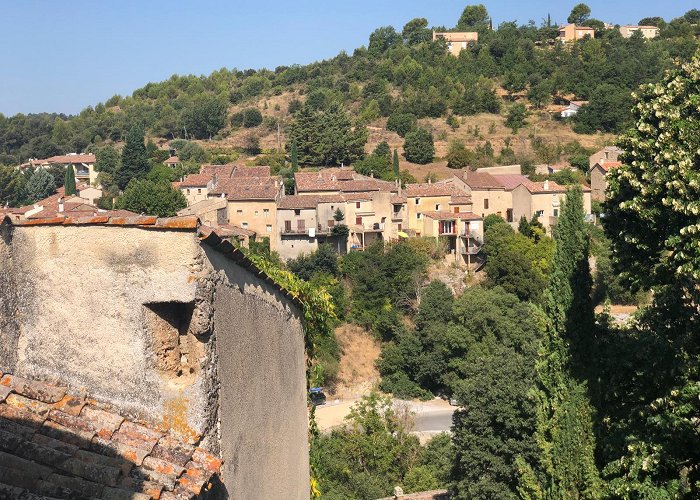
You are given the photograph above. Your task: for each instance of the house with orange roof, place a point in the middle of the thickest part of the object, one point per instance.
(599, 182)
(541, 199)
(571, 33)
(83, 165)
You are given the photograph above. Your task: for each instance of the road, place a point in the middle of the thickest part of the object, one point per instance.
(429, 417)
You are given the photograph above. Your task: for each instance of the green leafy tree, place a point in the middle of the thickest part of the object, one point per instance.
(458, 156)
(69, 181)
(401, 123)
(579, 14)
(382, 39)
(40, 185)
(12, 187)
(294, 157)
(608, 110)
(416, 31)
(418, 146)
(190, 151)
(474, 17)
(516, 117)
(151, 198)
(204, 116)
(134, 160)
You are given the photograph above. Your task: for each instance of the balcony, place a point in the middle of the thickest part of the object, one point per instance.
(376, 227)
(472, 249)
(297, 231)
(82, 173)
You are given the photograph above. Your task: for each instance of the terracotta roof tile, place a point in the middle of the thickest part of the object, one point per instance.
(481, 180)
(195, 180)
(308, 201)
(66, 159)
(428, 189)
(89, 452)
(607, 165)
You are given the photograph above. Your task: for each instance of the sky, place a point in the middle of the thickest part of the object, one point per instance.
(61, 56)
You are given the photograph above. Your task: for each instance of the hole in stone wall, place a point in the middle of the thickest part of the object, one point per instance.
(167, 325)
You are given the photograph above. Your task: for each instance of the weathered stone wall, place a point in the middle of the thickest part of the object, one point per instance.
(169, 331)
(263, 390)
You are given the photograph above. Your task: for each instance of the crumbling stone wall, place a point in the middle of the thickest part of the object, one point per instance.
(166, 330)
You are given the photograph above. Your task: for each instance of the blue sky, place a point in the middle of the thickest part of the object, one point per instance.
(64, 55)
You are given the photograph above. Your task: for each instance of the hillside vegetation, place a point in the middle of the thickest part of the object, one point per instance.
(400, 80)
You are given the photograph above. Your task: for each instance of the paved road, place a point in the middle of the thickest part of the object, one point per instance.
(430, 417)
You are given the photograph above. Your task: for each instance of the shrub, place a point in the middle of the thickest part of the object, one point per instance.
(418, 146)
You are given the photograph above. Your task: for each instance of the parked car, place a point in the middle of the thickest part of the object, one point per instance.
(316, 396)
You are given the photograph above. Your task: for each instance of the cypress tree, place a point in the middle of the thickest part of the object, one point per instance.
(565, 414)
(134, 158)
(69, 181)
(294, 157)
(396, 163)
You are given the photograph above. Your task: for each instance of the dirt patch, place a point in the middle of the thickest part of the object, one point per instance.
(358, 373)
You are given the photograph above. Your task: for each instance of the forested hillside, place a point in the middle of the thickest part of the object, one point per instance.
(400, 76)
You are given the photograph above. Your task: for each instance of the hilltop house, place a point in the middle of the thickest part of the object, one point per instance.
(457, 41)
(157, 385)
(647, 32)
(83, 164)
(608, 153)
(571, 109)
(572, 33)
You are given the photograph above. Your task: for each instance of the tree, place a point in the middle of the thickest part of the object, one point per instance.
(579, 14)
(190, 151)
(382, 149)
(608, 110)
(418, 146)
(474, 17)
(41, 185)
(516, 118)
(294, 157)
(401, 123)
(458, 156)
(204, 116)
(252, 117)
(151, 198)
(565, 414)
(134, 161)
(652, 195)
(416, 31)
(69, 181)
(12, 187)
(382, 39)
(395, 163)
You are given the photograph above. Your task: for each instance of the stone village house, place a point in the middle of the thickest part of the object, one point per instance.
(145, 358)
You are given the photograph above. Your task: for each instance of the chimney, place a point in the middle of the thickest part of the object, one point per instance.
(60, 205)
(546, 185)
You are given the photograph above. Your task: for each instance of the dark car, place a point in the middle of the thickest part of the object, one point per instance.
(316, 396)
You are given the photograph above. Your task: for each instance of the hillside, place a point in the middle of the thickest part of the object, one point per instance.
(398, 73)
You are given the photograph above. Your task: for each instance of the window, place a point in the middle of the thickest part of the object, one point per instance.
(556, 212)
(418, 216)
(509, 215)
(358, 220)
(244, 225)
(456, 210)
(358, 204)
(331, 222)
(301, 225)
(268, 228)
(417, 201)
(188, 191)
(199, 190)
(437, 207)
(297, 212)
(287, 226)
(256, 213)
(486, 203)
(266, 212)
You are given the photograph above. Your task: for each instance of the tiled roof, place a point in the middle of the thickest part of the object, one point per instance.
(452, 216)
(172, 159)
(397, 199)
(297, 202)
(111, 218)
(481, 180)
(339, 179)
(463, 199)
(435, 189)
(252, 192)
(227, 230)
(511, 181)
(607, 165)
(220, 171)
(55, 444)
(195, 180)
(260, 171)
(66, 159)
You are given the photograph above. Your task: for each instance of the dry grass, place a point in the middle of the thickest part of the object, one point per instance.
(357, 373)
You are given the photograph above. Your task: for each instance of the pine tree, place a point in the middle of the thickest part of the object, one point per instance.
(396, 163)
(40, 185)
(134, 163)
(69, 181)
(565, 414)
(524, 227)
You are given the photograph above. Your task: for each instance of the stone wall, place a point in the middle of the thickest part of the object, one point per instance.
(169, 331)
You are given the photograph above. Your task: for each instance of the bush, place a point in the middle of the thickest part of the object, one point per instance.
(252, 117)
(418, 146)
(458, 156)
